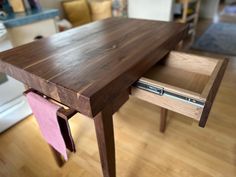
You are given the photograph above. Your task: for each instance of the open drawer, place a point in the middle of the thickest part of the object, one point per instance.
(183, 83)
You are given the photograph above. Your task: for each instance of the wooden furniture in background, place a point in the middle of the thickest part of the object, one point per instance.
(73, 69)
(17, 5)
(190, 13)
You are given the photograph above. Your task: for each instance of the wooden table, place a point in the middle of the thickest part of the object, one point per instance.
(92, 67)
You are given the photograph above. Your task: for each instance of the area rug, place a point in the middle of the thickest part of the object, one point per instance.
(219, 38)
(231, 9)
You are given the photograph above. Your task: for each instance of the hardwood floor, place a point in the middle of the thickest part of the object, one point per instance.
(185, 150)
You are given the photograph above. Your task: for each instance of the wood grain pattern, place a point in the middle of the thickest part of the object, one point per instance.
(198, 77)
(64, 112)
(191, 81)
(106, 144)
(169, 103)
(17, 5)
(211, 89)
(163, 119)
(85, 68)
(141, 151)
(91, 68)
(192, 63)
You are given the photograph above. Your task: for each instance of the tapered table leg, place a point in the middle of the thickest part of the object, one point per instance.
(105, 137)
(163, 120)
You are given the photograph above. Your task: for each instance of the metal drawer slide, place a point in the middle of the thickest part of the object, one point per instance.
(162, 92)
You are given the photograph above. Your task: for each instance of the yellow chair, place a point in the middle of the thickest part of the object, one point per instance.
(100, 9)
(77, 12)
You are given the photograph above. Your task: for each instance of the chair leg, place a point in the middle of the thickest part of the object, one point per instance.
(163, 120)
(57, 156)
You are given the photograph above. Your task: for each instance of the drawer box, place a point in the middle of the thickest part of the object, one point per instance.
(183, 83)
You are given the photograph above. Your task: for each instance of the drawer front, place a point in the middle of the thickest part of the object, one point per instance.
(170, 100)
(183, 83)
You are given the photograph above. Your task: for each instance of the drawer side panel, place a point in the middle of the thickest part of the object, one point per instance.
(169, 103)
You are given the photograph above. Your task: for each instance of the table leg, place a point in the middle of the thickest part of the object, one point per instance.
(163, 120)
(105, 137)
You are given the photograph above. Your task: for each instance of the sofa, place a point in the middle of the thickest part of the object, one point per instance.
(80, 12)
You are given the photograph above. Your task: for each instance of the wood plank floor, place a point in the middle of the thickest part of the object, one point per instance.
(185, 150)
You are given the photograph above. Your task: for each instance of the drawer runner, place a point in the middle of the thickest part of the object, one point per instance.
(162, 92)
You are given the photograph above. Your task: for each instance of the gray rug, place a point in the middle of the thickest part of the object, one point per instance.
(219, 38)
(230, 9)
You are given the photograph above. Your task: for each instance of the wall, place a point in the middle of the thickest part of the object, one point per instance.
(52, 4)
(229, 1)
(209, 8)
(151, 9)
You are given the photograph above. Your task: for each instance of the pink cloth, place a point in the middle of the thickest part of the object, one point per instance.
(45, 113)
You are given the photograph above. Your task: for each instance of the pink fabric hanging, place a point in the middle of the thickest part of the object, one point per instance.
(45, 113)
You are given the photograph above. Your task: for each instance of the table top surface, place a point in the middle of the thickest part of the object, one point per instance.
(87, 67)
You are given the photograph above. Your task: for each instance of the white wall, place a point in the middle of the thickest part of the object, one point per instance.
(229, 1)
(151, 9)
(51, 4)
(209, 8)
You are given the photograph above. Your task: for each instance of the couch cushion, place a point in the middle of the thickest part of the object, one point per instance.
(100, 9)
(77, 12)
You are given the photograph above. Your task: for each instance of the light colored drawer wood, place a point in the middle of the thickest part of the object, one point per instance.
(183, 83)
